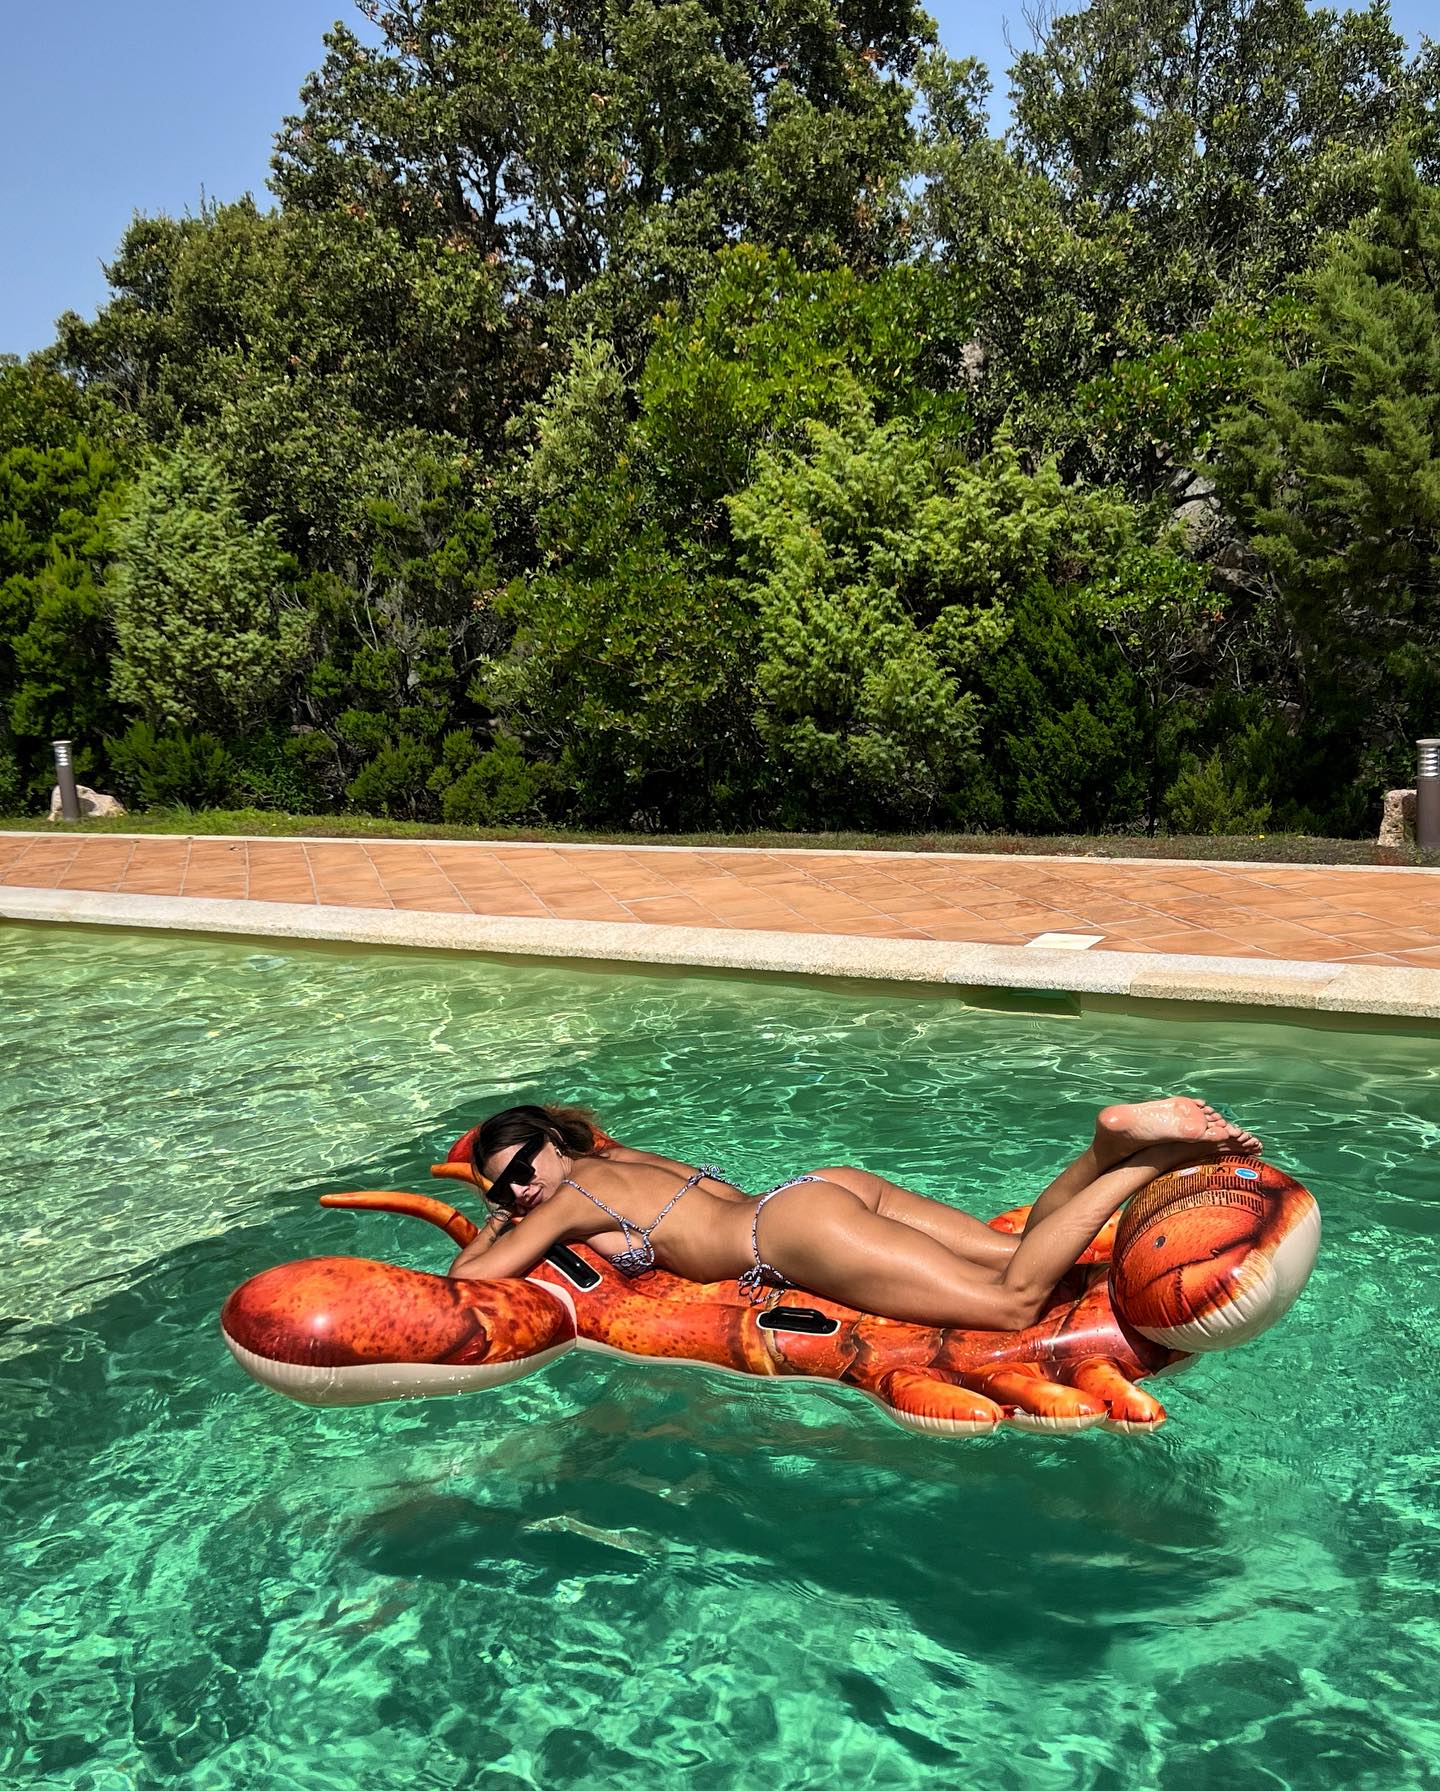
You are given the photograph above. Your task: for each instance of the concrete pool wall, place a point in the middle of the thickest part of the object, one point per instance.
(1337, 940)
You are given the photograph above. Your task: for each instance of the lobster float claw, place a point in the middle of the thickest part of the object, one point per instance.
(345, 1330)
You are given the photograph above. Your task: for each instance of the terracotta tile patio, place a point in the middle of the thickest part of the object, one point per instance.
(1305, 912)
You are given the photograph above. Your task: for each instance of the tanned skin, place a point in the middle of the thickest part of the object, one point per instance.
(850, 1235)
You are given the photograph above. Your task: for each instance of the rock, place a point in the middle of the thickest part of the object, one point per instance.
(1397, 824)
(92, 804)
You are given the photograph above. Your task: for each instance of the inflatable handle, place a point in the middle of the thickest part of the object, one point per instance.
(453, 1223)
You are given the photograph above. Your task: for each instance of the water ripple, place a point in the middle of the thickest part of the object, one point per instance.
(609, 1574)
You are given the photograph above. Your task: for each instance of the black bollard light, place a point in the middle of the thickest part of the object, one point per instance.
(1427, 796)
(65, 777)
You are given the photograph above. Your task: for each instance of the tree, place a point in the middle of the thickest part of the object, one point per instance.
(888, 585)
(287, 347)
(204, 633)
(1231, 131)
(1066, 733)
(564, 146)
(1333, 465)
(1166, 159)
(57, 490)
(401, 631)
(636, 636)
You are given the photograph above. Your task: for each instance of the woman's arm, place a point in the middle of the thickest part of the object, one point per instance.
(515, 1250)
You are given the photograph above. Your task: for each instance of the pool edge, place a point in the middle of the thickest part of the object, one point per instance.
(1316, 988)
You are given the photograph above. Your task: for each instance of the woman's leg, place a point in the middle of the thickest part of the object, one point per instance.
(825, 1238)
(1122, 1130)
(1119, 1131)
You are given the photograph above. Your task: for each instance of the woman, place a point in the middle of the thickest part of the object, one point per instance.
(844, 1234)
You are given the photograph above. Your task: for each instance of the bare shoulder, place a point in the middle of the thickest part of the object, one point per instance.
(627, 1161)
(622, 1156)
(570, 1207)
(614, 1170)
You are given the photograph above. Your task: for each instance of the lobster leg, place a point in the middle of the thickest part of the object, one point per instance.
(1035, 1402)
(927, 1400)
(1129, 1407)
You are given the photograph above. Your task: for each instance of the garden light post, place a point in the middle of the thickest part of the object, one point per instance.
(65, 777)
(1427, 796)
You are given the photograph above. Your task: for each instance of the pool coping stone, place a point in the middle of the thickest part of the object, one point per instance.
(1317, 986)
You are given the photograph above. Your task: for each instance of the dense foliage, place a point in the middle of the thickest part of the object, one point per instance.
(683, 415)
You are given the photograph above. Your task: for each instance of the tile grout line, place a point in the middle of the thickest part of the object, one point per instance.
(458, 894)
(20, 861)
(306, 860)
(779, 858)
(379, 880)
(960, 908)
(543, 900)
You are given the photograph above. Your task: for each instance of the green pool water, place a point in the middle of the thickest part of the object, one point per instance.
(612, 1575)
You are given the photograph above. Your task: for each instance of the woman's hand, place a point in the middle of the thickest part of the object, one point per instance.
(496, 1223)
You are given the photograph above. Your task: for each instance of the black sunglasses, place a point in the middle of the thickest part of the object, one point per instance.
(516, 1170)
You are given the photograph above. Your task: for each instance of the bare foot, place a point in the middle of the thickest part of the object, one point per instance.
(1121, 1131)
(1229, 1137)
(1167, 1156)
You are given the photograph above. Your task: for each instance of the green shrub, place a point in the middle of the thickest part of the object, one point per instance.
(55, 637)
(1064, 729)
(198, 600)
(477, 787)
(1207, 798)
(932, 634)
(394, 783)
(12, 783)
(282, 772)
(171, 770)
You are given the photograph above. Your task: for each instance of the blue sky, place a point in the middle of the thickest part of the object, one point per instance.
(113, 109)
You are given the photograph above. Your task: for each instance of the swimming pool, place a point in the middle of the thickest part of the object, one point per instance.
(612, 1574)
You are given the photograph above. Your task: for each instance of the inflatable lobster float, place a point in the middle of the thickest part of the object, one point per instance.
(1202, 1259)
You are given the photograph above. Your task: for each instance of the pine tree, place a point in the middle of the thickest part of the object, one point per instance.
(57, 488)
(1335, 465)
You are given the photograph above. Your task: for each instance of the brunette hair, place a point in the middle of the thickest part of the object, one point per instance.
(570, 1129)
